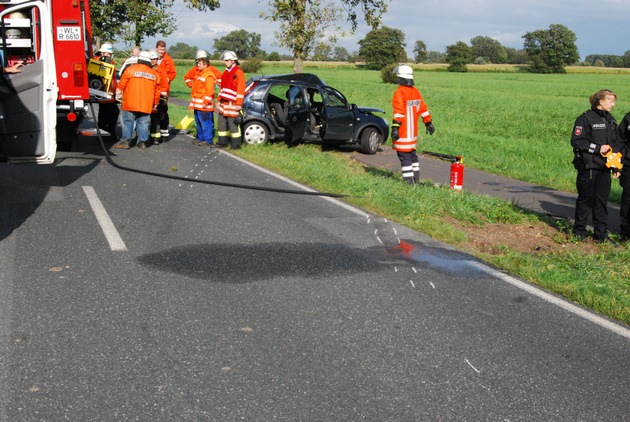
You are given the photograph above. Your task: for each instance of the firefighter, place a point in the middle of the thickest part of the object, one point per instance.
(624, 179)
(202, 101)
(108, 107)
(594, 133)
(231, 96)
(167, 67)
(140, 93)
(154, 131)
(133, 59)
(190, 76)
(408, 108)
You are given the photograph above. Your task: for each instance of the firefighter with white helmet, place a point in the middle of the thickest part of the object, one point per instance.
(190, 76)
(139, 88)
(108, 110)
(231, 96)
(409, 107)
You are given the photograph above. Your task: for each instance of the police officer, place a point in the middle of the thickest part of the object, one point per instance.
(624, 179)
(409, 107)
(593, 134)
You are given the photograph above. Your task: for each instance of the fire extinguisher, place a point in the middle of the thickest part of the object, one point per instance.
(457, 174)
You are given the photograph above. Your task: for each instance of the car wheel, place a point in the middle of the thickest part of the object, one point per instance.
(255, 133)
(370, 140)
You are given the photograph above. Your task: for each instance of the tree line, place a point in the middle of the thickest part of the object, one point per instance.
(310, 29)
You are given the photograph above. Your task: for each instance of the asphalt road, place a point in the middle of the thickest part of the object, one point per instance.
(128, 297)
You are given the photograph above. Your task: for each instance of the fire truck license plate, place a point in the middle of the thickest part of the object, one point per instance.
(68, 33)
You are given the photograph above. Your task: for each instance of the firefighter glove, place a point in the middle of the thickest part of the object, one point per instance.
(395, 127)
(430, 128)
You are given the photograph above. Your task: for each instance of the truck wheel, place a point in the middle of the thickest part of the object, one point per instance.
(370, 141)
(255, 133)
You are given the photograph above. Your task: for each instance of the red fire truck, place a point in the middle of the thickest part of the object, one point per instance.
(41, 107)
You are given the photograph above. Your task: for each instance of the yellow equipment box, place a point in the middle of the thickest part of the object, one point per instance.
(100, 74)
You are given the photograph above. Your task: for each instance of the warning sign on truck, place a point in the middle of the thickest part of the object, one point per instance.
(68, 33)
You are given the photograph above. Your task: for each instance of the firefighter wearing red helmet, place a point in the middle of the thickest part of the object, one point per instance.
(409, 107)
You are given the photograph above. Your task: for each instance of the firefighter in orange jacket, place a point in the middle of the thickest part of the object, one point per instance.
(166, 66)
(190, 76)
(409, 107)
(231, 96)
(202, 102)
(140, 93)
(108, 107)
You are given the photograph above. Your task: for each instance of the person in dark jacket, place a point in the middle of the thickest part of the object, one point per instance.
(594, 134)
(624, 179)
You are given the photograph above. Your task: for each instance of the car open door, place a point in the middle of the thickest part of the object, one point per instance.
(28, 99)
(297, 115)
(338, 119)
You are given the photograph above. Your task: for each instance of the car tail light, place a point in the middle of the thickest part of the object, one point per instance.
(79, 74)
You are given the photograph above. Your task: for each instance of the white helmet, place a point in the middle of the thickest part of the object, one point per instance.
(404, 71)
(228, 55)
(153, 54)
(106, 48)
(201, 54)
(144, 57)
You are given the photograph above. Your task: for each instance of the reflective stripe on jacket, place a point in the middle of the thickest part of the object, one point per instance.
(232, 92)
(202, 94)
(408, 108)
(140, 85)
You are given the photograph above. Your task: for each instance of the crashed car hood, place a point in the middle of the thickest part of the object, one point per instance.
(369, 110)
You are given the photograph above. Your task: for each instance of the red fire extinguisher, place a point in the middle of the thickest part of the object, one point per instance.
(457, 174)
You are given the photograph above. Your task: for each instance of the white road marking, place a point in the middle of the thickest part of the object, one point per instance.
(470, 364)
(564, 304)
(412, 285)
(109, 230)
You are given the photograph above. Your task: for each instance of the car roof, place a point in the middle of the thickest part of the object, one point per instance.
(307, 78)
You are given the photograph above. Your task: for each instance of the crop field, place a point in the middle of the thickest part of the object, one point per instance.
(513, 124)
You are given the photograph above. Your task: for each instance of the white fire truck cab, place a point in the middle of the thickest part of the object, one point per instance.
(42, 107)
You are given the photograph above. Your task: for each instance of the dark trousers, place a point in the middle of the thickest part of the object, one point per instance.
(228, 131)
(624, 181)
(108, 118)
(163, 113)
(593, 188)
(409, 165)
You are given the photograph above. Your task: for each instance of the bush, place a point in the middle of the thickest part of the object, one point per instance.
(387, 74)
(251, 65)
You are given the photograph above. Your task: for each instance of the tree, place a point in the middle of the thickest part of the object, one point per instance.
(458, 56)
(132, 21)
(383, 46)
(515, 56)
(182, 51)
(340, 54)
(420, 52)
(245, 44)
(488, 48)
(435, 57)
(304, 22)
(550, 50)
(322, 52)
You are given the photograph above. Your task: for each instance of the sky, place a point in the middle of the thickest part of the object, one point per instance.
(601, 26)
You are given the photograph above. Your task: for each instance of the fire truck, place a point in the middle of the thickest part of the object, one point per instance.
(42, 107)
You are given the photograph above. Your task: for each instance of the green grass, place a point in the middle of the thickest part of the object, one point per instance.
(514, 124)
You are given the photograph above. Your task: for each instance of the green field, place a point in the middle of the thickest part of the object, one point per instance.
(509, 123)
(513, 124)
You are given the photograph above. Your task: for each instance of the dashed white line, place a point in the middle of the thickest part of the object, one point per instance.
(109, 230)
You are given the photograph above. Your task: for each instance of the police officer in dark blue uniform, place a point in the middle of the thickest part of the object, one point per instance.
(624, 179)
(594, 133)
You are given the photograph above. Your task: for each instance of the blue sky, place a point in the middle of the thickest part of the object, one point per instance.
(601, 26)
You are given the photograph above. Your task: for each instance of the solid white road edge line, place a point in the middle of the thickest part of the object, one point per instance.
(563, 303)
(111, 234)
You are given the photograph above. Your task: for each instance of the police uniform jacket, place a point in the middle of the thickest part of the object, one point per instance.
(593, 129)
(624, 140)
